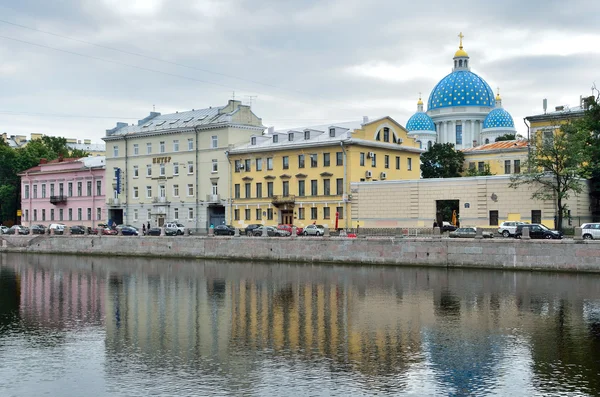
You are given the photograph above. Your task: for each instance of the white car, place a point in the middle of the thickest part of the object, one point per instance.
(507, 229)
(314, 230)
(178, 226)
(590, 231)
(3, 229)
(58, 228)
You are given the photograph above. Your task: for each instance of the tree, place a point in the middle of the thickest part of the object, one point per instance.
(57, 145)
(442, 161)
(506, 137)
(589, 127)
(78, 153)
(475, 172)
(555, 167)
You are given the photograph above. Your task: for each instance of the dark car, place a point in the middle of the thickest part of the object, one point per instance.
(448, 227)
(77, 229)
(155, 231)
(38, 229)
(224, 230)
(18, 229)
(249, 231)
(537, 230)
(129, 231)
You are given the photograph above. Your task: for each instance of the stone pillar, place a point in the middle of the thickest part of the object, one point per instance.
(119, 232)
(294, 232)
(67, 231)
(437, 231)
(52, 232)
(211, 232)
(479, 233)
(578, 234)
(236, 233)
(326, 230)
(525, 235)
(86, 232)
(264, 232)
(162, 231)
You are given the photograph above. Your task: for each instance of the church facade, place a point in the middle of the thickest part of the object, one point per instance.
(461, 110)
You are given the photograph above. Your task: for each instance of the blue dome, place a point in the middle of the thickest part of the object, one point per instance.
(498, 118)
(461, 88)
(420, 121)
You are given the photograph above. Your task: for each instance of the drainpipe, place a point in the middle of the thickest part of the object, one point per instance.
(528, 146)
(197, 180)
(126, 184)
(93, 197)
(230, 188)
(345, 179)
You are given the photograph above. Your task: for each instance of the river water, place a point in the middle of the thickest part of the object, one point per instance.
(78, 326)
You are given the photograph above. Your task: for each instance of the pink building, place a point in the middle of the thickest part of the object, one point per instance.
(68, 191)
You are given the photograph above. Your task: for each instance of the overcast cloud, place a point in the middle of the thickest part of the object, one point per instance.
(318, 61)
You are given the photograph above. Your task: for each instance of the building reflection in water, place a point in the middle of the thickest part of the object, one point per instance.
(392, 327)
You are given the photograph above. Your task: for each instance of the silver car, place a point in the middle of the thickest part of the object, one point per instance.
(314, 230)
(507, 229)
(590, 231)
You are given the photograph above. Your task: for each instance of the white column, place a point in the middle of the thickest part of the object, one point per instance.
(452, 135)
(464, 134)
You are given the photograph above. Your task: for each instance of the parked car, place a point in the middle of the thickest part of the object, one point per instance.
(78, 229)
(448, 227)
(314, 230)
(288, 228)
(3, 229)
(98, 228)
(537, 230)
(58, 228)
(180, 229)
(469, 232)
(108, 231)
(507, 229)
(249, 231)
(590, 231)
(119, 227)
(271, 231)
(155, 231)
(129, 231)
(18, 229)
(224, 230)
(38, 229)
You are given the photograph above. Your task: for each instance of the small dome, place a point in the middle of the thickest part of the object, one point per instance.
(460, 53)
(420, 121)
(461, 88)
(498, 118)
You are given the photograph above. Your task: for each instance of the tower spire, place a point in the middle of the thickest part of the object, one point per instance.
(460, 35)
(498, 98)
(420, 104)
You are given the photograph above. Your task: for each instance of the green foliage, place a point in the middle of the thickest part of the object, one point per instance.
(589, 127)
(506, 137)
(475, 171)
(442, 161)
(78, 153)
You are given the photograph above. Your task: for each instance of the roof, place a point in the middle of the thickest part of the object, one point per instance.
(461, 88)
(86, 162)
(576, 111)
(88, 147)
(499, 118)
(518, 144)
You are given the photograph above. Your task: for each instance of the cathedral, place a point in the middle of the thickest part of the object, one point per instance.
(461, 110)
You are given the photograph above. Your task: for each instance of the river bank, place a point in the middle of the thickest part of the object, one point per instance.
(544, 255)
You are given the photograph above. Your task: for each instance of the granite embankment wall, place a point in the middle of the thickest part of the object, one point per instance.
(555, 255)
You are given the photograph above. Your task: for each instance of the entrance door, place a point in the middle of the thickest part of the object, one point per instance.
(287, 217)
(161, 221)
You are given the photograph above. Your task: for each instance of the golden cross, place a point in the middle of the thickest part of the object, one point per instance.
(419, 95)
(498, 88)
(461, 37)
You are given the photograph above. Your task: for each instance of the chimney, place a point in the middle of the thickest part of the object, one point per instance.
(271, 130)
(474, 143)
(365, 119)
(559, 108)
(43, 161)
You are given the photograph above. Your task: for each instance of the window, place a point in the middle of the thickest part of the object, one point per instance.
(61, 190)
(98, 188)
(247, 214)
(386, 134)
(176, 145)
(236, 214)
(89, 214)
(548, 138)
(214, 142)
(258, 214)
(313, 213)
(286, 162)
(136, 171)
(313, 160)
(507, 166)
(326, 187)
(115, 151)
(136, 193)
(215, 165)
(88, 189)
(44, 190)
(326, 212)
(362, 159)
(269, 163)
(374, 160)
(306, 135)
(517, 166)
(326, 160)
(339, 186)
(79, 189)
(52, 189)
(35, 191)
(162, 146)
(247, 165)
(313, 187)
(70, 213)
(175, 169)
(481, 166)
(247, 190)
(378, 136)
(149, 214)
(386, 161)
(148, 169)
(161, 169)
(162, 191)
(52, 214)
(339, 158)
(175, 190)
(149, 148)
(300, 161)
(27, 216)
(148, 191)
(459, 134)
(291, 136)
(35, 215)
(136, 149)
(472, 165)
(258, 190)
(340, 211)
(301, 213)
(237, 165)
(332, 132)
(536, 216)
(270, 214)
(215, 188)
(61, 214)
(409, 164)
(253, 140)
(259, 164)
(286, 188)
(493, 218)
(190, 167)
(190, 144)
(269, 189)
(275, 138)
(79, 214)
(429, 145)
(236, 190)
(301, 188)
(190, 189)
(190, 213)
(99, 214)
(26, 191)
(397, 162)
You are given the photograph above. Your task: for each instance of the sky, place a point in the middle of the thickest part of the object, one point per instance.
(74, 68)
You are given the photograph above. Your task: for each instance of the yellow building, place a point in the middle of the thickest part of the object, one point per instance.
(545, 125)
(302, 176)
(502, 158)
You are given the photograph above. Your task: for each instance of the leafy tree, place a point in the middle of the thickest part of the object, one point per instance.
(78, 153)
(555, 167)
(56, 145)
(506, 137)
(475, 171)
(442, 161)
(589, 127)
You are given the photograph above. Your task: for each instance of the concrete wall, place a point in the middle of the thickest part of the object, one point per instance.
(558, 255)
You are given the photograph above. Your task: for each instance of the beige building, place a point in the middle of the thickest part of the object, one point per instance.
(479, 201)
(174, 167)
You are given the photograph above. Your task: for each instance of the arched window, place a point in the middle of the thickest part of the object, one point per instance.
(460, 63)
(378, 137)
(429, 145)
(455, 64)
(487, 140)
(466, 63)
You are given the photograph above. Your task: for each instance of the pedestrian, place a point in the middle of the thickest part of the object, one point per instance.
(143, 229)
(435, 224)
(148, 226)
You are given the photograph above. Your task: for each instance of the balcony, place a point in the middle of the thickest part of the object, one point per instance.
(213, 198)
(283, 199)
(58, 199)
(113, 202)
(159, 200)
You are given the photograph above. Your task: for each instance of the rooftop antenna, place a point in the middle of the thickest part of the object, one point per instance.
(250, 99)
(545, 102)
(233, 95)
(154, 108)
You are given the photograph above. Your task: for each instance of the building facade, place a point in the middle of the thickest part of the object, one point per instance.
(173, 167)
(302, 176)
(67, 191)
(501, 158)
(461, 110)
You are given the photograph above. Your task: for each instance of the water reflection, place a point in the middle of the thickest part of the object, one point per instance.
(204, 327)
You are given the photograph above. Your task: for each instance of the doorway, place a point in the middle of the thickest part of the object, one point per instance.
(287, 217)
(444, 210)
(161, 221)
